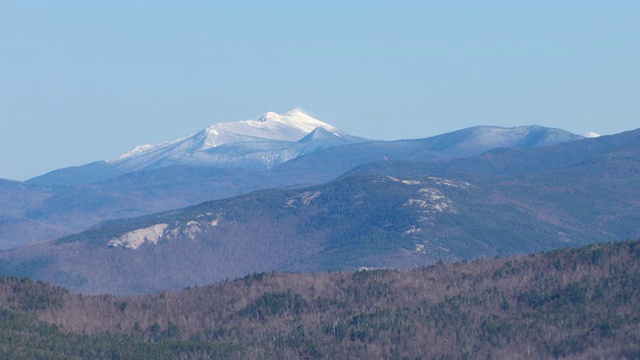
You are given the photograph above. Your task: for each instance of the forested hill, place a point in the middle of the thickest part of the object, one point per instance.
(574, 303)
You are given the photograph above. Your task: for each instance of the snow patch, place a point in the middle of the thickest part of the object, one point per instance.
(135, 151)
(191, 230)
(405, 182)
(431, 246)
(309, 196)
(413, 230)
(591, 134)
(369, 268)
(450, 183)
(133, 239)
(153, 234)
(305, 198)
(430, 200)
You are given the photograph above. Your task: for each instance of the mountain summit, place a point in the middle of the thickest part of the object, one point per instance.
(266, 140)
(290, 126)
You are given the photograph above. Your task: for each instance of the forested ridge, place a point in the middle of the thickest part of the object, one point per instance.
(571, 303)
(399, 213)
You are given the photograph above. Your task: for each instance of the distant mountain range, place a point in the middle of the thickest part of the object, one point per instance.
(259, 143)
(221, 161)
(479, 192)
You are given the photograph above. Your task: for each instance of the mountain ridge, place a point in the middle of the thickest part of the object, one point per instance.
(268, 139)
(405, 214)
(80, 197)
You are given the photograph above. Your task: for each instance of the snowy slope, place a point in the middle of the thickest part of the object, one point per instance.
(483, 138)
(264, 141)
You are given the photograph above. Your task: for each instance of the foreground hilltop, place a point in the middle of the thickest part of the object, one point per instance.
(572, 303)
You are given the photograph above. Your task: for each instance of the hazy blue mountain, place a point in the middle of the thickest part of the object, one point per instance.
(259, 143)
(229, 159)
(222, 160)
(512, 160)
(391, 214)
(333, 162)
(77, 175)
(16, 201)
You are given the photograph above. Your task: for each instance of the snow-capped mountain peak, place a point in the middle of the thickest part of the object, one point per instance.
(291, 126)
(591, 134)
(268, 136)
(135, 151)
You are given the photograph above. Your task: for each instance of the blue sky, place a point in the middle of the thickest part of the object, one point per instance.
(88, 80)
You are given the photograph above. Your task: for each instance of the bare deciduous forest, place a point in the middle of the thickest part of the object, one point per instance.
(572, 303)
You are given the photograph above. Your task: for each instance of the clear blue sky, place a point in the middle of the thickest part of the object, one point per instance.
(87, 80)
